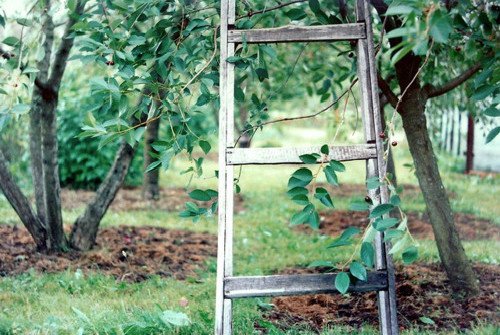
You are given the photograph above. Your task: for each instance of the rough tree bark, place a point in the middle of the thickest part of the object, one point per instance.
(151, 180)
(84, 230)
(22, 206)
(450, 249)
(469, 155)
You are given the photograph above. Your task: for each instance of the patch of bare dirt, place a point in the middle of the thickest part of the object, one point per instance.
(422, 291)
(172, 199)
(469, 226)
(127, 253)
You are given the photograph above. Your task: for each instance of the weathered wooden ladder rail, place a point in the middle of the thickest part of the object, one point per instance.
(230, 287)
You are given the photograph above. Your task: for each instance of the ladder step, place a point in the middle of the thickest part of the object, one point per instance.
(334, 32)
(259, 156)
(285, 285)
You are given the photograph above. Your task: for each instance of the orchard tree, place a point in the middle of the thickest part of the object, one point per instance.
(166, 53)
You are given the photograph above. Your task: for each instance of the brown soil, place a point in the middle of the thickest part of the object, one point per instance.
(422, 291)
(469, 227)
(130, 199)
(127, 253)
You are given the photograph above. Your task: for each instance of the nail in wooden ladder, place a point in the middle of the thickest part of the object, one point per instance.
(230, 287)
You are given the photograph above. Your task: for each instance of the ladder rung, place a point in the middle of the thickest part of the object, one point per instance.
(285, 285)
(334, 32)
(258, 156)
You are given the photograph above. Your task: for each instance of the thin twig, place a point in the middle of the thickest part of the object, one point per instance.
(262, 11)
(302, 117)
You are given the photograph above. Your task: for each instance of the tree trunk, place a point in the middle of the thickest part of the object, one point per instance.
(469, 159)
(84, 230)
(35, 147)
(451, 252)
(452, 133)
(151, 182)
(51, 183)
(22, 206)
(459, 134)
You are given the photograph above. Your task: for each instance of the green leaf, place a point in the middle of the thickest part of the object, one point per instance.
(492, 112)
(331, 176)
(440, 27)
(358, 270)
(301, 199)
(234, 59)
(303, 174)
(324, 197)
(199, 195)
(383, 224)
(380, 210)
(342, 282)
(11, 41)
(313, 220)
(410, 254)
(483, 91)
(337, 166)
(203, 100)
(393, 234)
(395, 200)
(299, 218)
(23, 22)
(314, 5)
(296, 191)
(296, 14)
(345, 237)
(71, 5)
(325, 150)
(309, 158)
(373, 183)
(316, 9)
(492, 134)
(399, 9)
(205, 146)
(367, 254)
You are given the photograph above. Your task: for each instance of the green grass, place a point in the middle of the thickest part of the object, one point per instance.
(73, 303)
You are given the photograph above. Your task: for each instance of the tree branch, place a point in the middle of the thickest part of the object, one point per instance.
(453, 83)
(386, 90)
(61, 57)
(265, 10)
(21, 204)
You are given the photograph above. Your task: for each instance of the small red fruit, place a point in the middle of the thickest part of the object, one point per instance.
(381, 135)
(110, 63)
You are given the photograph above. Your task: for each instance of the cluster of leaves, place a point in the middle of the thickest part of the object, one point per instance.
(395, 231)
(83, 162)
(460, 33)
(154, 52)
(301, 178)
(196, 212)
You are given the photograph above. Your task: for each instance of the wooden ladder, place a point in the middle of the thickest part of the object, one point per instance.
(230, 287)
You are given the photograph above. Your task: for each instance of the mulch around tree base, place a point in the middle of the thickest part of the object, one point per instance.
(469, 226)
(127, 253)
(172, 199)
(422, 291)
